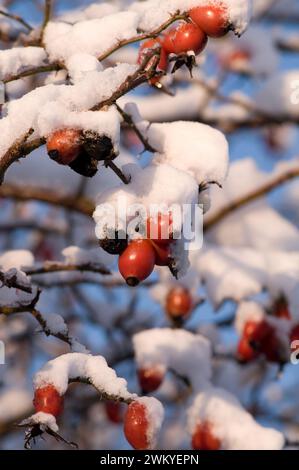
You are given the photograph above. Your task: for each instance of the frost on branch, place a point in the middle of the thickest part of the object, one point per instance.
(15, 60)
(11, 263)
(231, 424)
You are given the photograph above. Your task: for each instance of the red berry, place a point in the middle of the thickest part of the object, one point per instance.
(245, 351)
(184, 38)
(256, 332)
(64, 145)
(48, 400)
(178, 303)
(137, 262)
(204, 439)
(162, 65)
(270, 348)
(212, 19)
(281, 309)
(162, 253)
(159, 228)
(294, 336)
(136, 426)
(150, 378)
(114, 411)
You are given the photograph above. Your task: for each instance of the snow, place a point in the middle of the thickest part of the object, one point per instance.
(195, 148)
(15, 60)
(155, 416)
(187, 104)
(55, 323)
(230, 273)
(95, 10)
(177, 350)
(45, 420)
(235, 427)
(94, 36)
(14, 403)
(11, 263)
(70, 366)
(279, 95)
(51, 106)
(81, 63)
(155, 12)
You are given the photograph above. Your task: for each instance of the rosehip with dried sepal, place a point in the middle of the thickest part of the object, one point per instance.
(213, 19)
(136, 426)
(116, 245)
(150, 378)
(48, 400)
(204, 438)
(137, 262)
(64, 145)
(184, 38)
(163, 63)
(178, 303)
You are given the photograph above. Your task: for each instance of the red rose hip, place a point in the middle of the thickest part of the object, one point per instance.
(64, 145)
(212, 19)
(136, 426)
(48, 400)
(137, 262)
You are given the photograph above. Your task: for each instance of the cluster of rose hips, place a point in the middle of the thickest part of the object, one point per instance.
(80, 150)
(259, 338)
(211, 20)
(138, 257)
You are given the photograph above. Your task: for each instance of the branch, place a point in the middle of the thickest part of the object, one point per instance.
(55, 267)
(55, 67)
(47, 16)
(269, 186)
(81, 205)
(141, 37)
(129, 121)
(17, 18)
(10, 280)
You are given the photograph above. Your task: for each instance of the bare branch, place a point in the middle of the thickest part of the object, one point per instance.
(269, 186)
(17, 18)
(47, 17)
(55, 267)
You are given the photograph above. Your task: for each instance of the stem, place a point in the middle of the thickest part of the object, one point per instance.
(143, 36)
(17, 18)
(250, 197)
(47, 16)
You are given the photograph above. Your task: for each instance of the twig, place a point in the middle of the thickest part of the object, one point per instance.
(17, 18)
(129, 120)
(141, 37)
(250, 197)
(11, 281)
(110, 164)
(47, 16)
(55, 267)
(81, 205)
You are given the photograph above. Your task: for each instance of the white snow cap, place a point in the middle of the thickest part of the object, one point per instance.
(59, 371)
(155, 12)
(155, 416)
(231, 424)
(195, 148)
(45, 420)
(13, 61)
(186, 353)
(93, 36)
